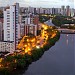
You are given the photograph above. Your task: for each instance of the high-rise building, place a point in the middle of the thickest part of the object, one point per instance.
(38, 10)
(28, 20)
(35, 12)
(11, 25)
(56, 10)
(59, 10)
(67, 10)
(72, 12)
(52, 10)
(48, 10)
(1, 31)
(41, 10)
(36, 20)
(30, 9)
(30, 28)
(63, 10)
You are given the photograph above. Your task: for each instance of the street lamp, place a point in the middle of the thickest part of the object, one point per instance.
(37, 47)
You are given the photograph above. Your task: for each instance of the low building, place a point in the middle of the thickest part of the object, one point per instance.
(6, 46)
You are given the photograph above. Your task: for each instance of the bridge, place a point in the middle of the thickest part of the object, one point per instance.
(66, 31)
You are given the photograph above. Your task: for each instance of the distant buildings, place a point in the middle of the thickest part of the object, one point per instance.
(21, 21)
(59, 11)
(63, 12)
(72, 12)
(67, 10)
(1, 31)
(40, 10)
(28, 21)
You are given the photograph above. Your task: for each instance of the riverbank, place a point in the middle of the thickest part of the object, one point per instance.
(37, 54)
(13, 63)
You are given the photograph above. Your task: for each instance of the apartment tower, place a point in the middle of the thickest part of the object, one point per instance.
(11, 25)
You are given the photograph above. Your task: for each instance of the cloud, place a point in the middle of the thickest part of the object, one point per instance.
(38, 3)
(71, 0)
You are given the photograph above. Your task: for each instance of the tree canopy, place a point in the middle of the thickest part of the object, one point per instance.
(43, 19)
(59, 20)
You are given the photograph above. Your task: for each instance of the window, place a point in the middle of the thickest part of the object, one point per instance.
(8, 23)
(8, 12)
(8, 15)
(8, 31)
(8, 20)
(8, 26)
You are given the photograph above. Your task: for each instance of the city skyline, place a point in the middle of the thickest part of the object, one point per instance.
(39, 3)
(43, 29)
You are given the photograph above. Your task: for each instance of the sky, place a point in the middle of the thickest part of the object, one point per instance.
(39, 3)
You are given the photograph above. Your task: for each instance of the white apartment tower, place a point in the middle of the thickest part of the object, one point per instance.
(63, 12)
(11, 25)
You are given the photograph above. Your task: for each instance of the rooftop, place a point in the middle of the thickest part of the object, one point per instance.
(49, 22)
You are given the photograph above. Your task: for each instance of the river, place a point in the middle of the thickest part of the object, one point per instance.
(58, 60)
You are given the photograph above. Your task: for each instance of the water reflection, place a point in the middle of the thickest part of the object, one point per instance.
(72, 38)
(67, 34)
(67, 41)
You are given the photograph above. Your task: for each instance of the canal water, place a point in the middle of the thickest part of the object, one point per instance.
(58, 60)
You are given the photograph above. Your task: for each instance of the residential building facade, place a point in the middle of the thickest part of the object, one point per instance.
(6, 46)
(11, 25)
(30, 28)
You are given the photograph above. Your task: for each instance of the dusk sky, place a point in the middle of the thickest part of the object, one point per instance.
(39, 3)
